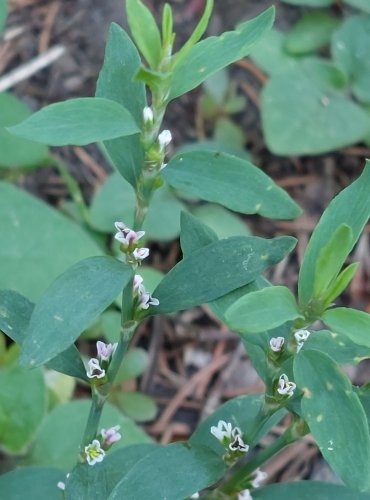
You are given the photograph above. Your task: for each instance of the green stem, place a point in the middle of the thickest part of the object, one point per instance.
(93, 420)
(237, 482)
(73, 188)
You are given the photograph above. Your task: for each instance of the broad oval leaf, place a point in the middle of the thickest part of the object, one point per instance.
(306, 98)
(41, 242)
(78, 122)
(70, 305)
(15, 151)
(263, 310)
(214, 53)
(116, 82)
(15, 315)
(23, 403)
(335, 416)
(308, 490)
(359, 4)
(172, 472)
(350, 207)
(349, 322)
(221, 220)
(350, 49)
(229, 181)
(58, 439)
(233, 262)
(40, 483)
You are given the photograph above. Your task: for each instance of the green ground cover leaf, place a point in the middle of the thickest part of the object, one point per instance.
(307, 490)
(352, 323)
(16, 152)
(41, 242)
(40, 483)
(70, 305)
(335, 416)
(229, 181)
(78, 122)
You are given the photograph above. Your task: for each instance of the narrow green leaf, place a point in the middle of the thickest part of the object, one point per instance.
(341, 283)
(306, 98)
(221, 220)
(350, 46)
(308, 490)
(350, 322)
(263, 310)
(15, 315)
(237, 260)
(70, 305)
(116, 82)
(337, 346)
(58, 439)
(311, 32)
(230, 181)
(165, 469)
(214, 53)
(39, 483)
(78, 122)
(36, 234)
(15, 151)
(168, 35)
(331, 259)
(144, 31)
(196, 35)
(335, 416)
(23, 403)
(350, 207)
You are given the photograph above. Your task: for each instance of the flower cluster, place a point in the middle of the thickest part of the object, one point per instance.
(257, 479)
(143, 298)
(95, 451)
(97, 366)
(232, 438)
(129, 240)
(285, 387)
(300, 337)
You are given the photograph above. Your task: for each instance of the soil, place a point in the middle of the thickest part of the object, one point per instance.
(195, 362)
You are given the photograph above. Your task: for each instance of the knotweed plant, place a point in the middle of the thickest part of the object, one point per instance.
(296, 343)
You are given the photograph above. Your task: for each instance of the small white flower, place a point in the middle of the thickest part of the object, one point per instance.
(140, 253)
(94, 369)
(138, 284)
(258, 477)
(276, 343)
(164, 138)
(148, 115)
(105, 351)
(195, 495)
(110, 435)
(301, 336)
(61, 485)
(285, 387)
(222, 430)
(147, 300)
(245, 495)
(127, 236)
(94, 453)
(238, 444)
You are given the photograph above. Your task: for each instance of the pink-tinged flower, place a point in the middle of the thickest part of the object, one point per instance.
(105, 351)
(148, 115)
(245, 495)
(127, 236)
(301, 336)
(140, 253)
(138, 286)
(94, 453)
(164, 138)
(61, 485)
(110, 435)
(285, 386)
(94, 369)
(276, 343)
(258, 477)
(146, 300)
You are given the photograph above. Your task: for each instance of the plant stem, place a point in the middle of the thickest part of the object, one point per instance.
(237, 482)
(93, 420)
